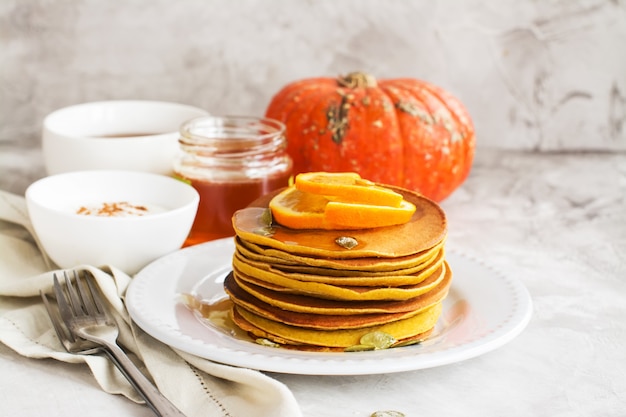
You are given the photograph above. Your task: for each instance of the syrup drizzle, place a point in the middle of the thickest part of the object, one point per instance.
(215, 314)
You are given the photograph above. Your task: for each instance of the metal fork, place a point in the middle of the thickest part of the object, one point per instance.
(80, 346)
(84, 313)
(71, 344)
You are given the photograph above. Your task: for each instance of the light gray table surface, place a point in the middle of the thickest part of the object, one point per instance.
(556, 222)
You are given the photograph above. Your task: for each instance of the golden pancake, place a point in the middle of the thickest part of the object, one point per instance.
(306, 304)
(283, 333)
(310, 320)
(313, 348)
(372, 280)
(426, 229)
(366, 264)
(339, 292)
(255, 332)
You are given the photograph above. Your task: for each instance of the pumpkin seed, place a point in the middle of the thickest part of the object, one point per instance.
(267, 342)
(264, 231)
(406, 343)
(373, 341)
(266, 220)
(266, 217)
(359, 348)
(346, 242)
(387, 413)
(380, 340)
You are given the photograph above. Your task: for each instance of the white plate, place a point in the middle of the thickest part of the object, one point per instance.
(483, 311)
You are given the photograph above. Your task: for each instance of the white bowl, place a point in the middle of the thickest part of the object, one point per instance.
(134, 135)
(127, 243)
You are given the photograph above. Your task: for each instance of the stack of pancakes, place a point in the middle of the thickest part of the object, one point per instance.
(309, 290)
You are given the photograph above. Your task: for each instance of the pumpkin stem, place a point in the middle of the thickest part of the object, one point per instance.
(357, 80)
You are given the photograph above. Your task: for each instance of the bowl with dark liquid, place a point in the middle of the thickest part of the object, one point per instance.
(136, 135)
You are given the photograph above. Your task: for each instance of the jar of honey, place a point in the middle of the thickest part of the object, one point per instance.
(230, 161)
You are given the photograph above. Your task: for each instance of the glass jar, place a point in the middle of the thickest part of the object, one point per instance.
(230, 161)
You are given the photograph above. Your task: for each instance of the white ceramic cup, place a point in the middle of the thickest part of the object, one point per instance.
(135, 135)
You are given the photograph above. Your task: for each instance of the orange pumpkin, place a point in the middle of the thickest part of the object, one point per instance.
(403, 132)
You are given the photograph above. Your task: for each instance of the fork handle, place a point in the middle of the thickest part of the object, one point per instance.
(155, 399)
(132, 382)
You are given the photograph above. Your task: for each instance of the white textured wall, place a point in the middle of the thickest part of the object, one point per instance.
(536, 75)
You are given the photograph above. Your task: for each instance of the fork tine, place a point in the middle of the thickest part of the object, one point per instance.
(96, 296)
(87, 294)
(61, 332)
(64, 308)
(74, 297)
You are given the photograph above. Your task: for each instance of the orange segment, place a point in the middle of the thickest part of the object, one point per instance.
(347, 187)
(362, 216)
(300, 210)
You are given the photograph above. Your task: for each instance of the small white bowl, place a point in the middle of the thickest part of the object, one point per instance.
(135, 135)
(127, 243)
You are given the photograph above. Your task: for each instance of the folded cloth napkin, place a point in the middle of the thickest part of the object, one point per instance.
(198, 387)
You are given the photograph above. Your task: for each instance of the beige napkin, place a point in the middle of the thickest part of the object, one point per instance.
(198, 387)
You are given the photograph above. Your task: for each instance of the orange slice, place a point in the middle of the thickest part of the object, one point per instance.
(362, 216)
(347, 187)
(296, 209)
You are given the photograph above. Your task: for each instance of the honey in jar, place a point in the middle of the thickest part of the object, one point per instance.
(230, 161)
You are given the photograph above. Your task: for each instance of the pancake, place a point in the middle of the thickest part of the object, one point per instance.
(314, 321)
(313, 348)
(265, 271)
(306, 304)
(284, 333)
(341, 292)
(366, 264)
(255, 332)
(428, 222)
